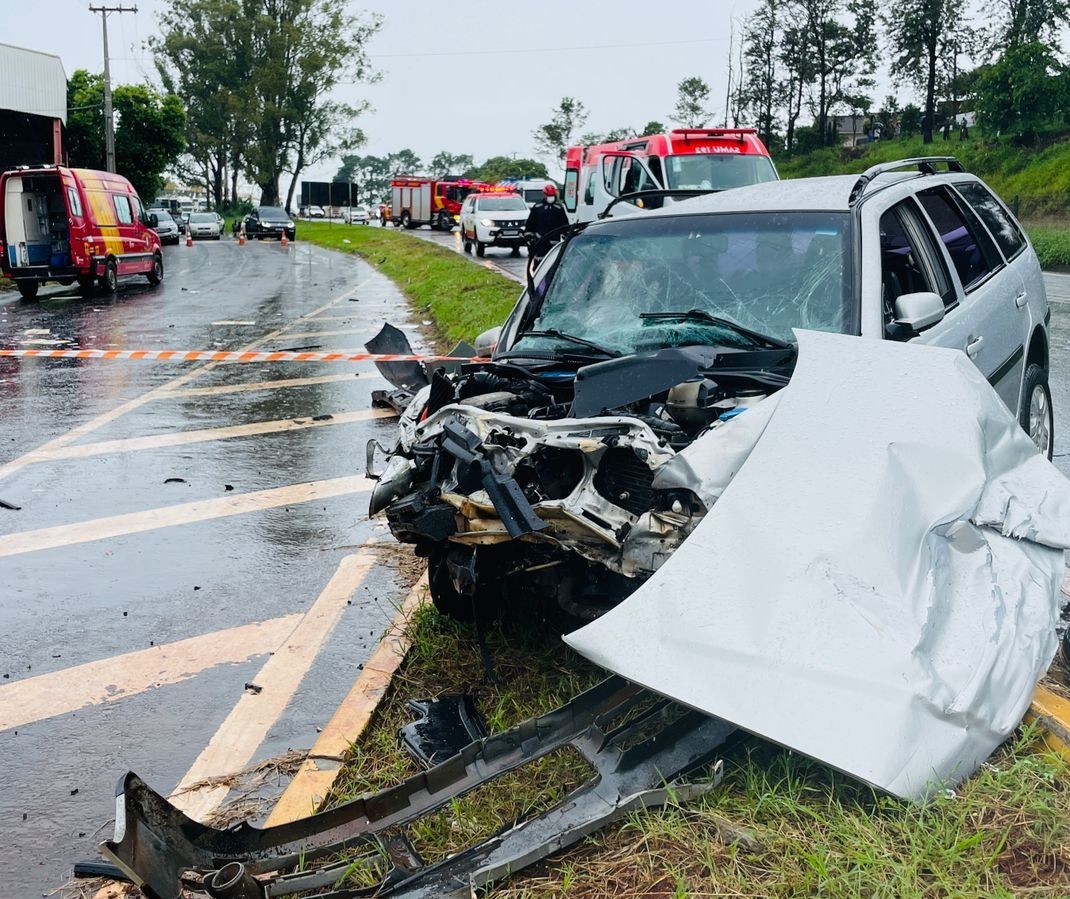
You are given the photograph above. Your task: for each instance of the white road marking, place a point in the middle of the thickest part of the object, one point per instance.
(204, 435)
(268, 385)
(244, 729)
(183, 513)
(137, 402)
(107, 680)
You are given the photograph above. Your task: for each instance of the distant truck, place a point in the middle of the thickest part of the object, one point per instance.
(427, 201)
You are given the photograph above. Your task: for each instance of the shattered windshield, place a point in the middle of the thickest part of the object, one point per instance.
(767, 272)
(717, 171)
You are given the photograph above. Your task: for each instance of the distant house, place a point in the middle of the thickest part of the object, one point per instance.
(33, 107)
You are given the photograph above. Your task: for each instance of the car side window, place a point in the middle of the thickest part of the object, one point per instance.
(74, 203)
(588, 193)
(910, 263)
(1004, 229)
(972, 251)
(122, 209)
(135, 204)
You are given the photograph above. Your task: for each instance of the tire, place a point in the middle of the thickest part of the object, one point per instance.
(27, 289)
(1034, 412)
(156, 275)
(445, 222)
(109, 281)
(406, 219)
(467, 245)
(86, 283)
(481, 247)
(447, 600)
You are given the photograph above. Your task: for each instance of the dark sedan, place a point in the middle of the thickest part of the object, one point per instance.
(269, 221)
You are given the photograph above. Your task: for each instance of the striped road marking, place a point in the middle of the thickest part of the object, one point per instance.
(245, 728)
(267, 385)
(183, 513)
(107, 680)
(137, 402)
(204, 435)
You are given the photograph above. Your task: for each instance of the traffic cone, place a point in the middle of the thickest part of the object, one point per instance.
(189, 239)
(284, 242)
(241, 236)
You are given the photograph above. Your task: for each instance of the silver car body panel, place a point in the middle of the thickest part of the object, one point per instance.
(878, 586)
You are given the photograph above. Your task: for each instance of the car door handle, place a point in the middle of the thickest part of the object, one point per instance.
(974, 346)
(1021, 299)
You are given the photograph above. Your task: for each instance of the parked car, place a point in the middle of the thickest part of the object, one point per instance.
(204, 225)
(66, 225)
(654, 327)
(493, 220)
(269, 221)
(166, 227)
(316, 212)
(356, 215)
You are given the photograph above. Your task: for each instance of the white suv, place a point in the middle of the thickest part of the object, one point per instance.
(493, 220)
(927, 255)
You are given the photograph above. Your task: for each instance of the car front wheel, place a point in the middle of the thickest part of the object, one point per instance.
(109, 281)
(1035, 415)
(27, 289)
(155, 274)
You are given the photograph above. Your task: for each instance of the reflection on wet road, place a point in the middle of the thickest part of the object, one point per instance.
(184, 529)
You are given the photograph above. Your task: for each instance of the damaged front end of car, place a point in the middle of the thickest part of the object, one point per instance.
(567, 477)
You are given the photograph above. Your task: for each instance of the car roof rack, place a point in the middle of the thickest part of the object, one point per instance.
(926, 165)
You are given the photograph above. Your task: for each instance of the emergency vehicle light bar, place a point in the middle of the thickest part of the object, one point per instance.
(687, 133)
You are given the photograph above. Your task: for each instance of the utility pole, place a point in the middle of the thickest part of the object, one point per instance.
(109, 120)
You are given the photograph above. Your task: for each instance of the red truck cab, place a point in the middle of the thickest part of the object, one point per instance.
(66, 225)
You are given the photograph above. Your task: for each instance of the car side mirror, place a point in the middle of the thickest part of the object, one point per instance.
(487, 341)
(919, 310)
(154, 220)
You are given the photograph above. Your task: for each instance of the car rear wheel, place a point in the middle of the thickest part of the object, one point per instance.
(27, 289)
(1035, 412)
(109, 281)
(155, 276)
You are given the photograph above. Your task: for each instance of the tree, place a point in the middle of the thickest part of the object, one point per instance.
(556, 136)
(1026, 90)
(446, 164)
(841, 52)
(271, 66)
(909, 120)
(371, 175)
(1027, 22)
(763, 90)
(798, 68)
(149, 130)
(692, 102)
(498, 168)
(405, 162)
(653, 127)
(920, 34)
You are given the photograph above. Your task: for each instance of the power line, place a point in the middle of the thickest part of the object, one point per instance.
(512, 51)
(109, 119)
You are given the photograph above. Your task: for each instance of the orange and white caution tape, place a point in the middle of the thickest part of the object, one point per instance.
(230, 356)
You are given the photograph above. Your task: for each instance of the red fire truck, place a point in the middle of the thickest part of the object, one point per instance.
(425, 201)
(684, 159)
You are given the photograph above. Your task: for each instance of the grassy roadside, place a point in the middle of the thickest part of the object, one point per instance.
(780, 825)
(462, 297)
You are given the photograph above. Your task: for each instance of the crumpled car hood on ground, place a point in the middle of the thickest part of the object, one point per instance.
(878, 586)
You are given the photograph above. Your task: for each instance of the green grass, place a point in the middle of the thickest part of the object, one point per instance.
(1052, 245)
(462, 297)
(1036, 179)
(780, 825)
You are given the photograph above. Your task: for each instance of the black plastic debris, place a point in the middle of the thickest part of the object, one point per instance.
(444, 727)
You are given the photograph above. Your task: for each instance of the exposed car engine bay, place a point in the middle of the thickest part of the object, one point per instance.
(563, 479)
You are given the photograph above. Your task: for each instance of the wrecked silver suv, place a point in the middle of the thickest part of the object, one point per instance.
(571, 465)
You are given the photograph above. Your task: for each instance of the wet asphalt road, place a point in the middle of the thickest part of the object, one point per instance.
(133, 535)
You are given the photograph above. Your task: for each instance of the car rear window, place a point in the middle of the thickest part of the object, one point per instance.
(972, 251)
(991, 212)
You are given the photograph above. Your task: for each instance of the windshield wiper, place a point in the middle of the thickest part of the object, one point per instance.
(704, 316)
(572, 338)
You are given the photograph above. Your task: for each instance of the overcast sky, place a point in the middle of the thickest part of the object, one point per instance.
(466, 77)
